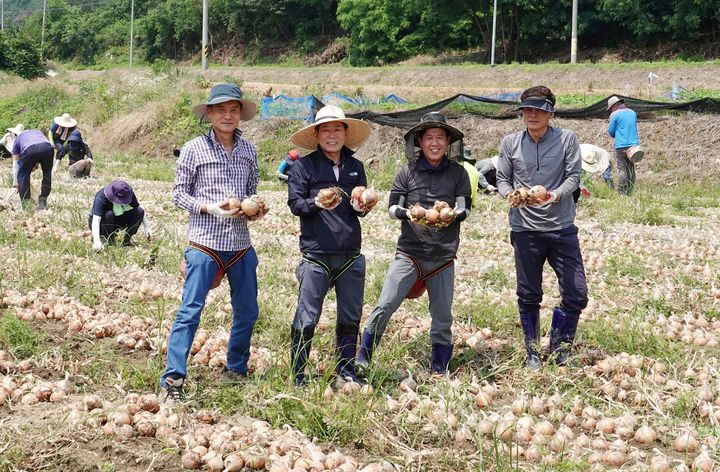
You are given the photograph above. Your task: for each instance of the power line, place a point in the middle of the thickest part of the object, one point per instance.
(80, 5)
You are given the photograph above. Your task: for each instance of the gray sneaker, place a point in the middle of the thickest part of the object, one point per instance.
(172, 391)
(231, 377)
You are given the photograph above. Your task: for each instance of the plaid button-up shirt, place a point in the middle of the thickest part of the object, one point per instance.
(206, 174)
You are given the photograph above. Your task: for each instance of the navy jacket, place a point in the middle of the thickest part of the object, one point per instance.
(321, 231)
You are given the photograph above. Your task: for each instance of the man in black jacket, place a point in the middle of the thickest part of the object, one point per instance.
(330, 235)
(425, 250)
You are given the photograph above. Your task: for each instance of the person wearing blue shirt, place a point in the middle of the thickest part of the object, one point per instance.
(623, 127)
(284, 168)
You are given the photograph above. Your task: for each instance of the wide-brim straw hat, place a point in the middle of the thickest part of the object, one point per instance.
(19, 128)
(612, 101)
(594, 162)
(357, 130)
(66, 121)
(433, 120)
(222, 93)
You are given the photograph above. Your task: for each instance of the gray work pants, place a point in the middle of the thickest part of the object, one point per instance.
(314, 285)
(400, 278)
(626, 171)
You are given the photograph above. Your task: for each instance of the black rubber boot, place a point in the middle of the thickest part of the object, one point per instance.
(42, 203)
(346, 347)
(562, 335)
(300, 352)
(440, 357)
(531, 329)
(367, 347)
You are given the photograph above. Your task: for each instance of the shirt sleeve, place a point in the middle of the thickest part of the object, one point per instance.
(88, 153)
(134, 202)
(16, 147)
(573, 166)
(398, 194)
(612, 127)
(100, 204)
(299, 199)
(185, 177)
(253, 177)
(463, 192)
(504, 174)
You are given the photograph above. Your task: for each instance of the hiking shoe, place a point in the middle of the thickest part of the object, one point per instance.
(232, 377)
(172, 390)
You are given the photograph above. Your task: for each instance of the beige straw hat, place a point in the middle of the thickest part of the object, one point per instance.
(66, 121)
(357, 130)
(594, 159)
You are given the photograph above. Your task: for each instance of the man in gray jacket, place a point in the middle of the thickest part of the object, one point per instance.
(544, 230)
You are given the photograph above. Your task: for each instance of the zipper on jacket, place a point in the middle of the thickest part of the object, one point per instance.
(537, 156)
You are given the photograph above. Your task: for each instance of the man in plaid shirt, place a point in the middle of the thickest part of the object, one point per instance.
(211, 169)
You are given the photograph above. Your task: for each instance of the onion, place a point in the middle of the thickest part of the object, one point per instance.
(233, 203)
(447, 215)
(614, 458)
(702, 462)
(417, 212)
(148, 403)
(686, 442)
(545, 427)
(538, 193)
(250, 207)
(432, 216)
(482, 399)
(191, 460)
(91, 402)
(369, 197)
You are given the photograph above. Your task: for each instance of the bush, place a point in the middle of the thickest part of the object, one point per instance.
(20, 56)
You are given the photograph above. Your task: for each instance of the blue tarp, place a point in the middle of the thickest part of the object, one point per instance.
(301, 108)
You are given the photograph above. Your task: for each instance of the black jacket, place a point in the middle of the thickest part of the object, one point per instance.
(415, 183)
(321, 231)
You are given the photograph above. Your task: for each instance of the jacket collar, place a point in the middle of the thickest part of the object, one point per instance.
(423, 164)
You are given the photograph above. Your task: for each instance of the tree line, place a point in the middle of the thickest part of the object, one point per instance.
(372, 31)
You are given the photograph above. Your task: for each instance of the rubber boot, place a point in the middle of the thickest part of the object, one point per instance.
(42, 203)
(299, 353)
(440, 357)
(531, 329)
(346, 347)
(367, 347)
(562, 335)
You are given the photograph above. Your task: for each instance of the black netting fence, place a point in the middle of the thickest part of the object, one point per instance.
(502, 109)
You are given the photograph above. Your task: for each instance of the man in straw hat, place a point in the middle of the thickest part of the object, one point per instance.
(545, 230)
(623, 127)
(116, 208)
(209, 170)
(330, 235)
(32, 148)
(425, 250)
(60, 131)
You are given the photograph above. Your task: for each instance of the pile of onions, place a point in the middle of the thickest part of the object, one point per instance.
(29, 390)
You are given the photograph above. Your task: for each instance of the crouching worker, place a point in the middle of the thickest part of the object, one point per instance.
(545, 230)
(429, 239)
(330, 235)
(116, 208)
(209, 170)
(79, 155)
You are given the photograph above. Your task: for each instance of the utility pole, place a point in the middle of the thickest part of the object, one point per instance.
(573, 40)
(492, 52)
(2, 15)
(205, 36)
(42, 33)
(132, 29)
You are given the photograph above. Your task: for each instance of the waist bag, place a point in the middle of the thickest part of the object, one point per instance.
(222, 267)
(333, 275)
(418, 287)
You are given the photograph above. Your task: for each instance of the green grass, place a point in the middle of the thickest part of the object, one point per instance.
(18, 337)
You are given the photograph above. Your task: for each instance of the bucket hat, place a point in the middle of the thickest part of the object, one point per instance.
(612, 101)
(222, 93)
(118, 192)
(357, 130)
(65, 120)
(434, 119)
(75, 136)
(19, 128)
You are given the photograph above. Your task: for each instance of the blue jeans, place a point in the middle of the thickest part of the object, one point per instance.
(200, 271)
(607, 176)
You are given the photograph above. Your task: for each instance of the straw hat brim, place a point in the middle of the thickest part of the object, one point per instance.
(454, 134)
(248, 109)
(598, 167)
(357, 133)
(16, 130)
(70, 123)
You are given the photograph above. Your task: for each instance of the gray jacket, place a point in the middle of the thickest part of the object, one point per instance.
(554, 162)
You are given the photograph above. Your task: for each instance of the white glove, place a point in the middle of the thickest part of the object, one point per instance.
(220, 210)
(491, 188)
(55, 165)
(97, 246)
(552, 197)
